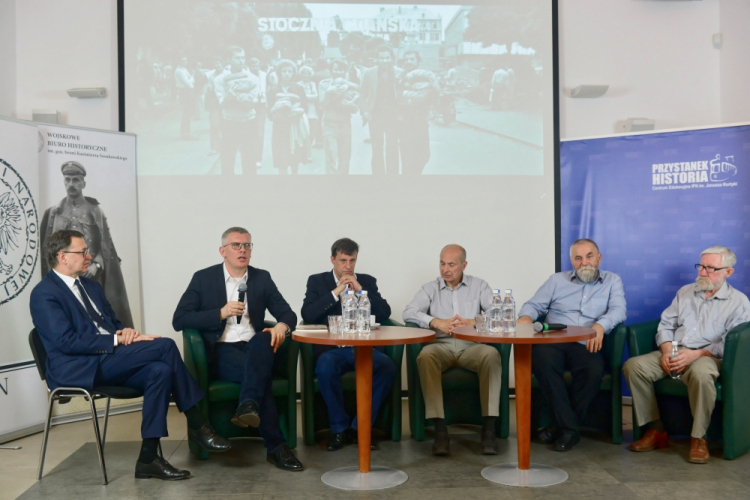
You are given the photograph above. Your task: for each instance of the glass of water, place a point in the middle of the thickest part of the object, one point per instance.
(335, 325)
(481, 323)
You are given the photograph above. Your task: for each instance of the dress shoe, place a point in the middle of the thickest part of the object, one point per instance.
(284, 459)
(247, 415)
(338, 440)
(548, 435)
(354, 438)
(442, 444)
(651, 441)
(567, 440)
(206, 436)
(160, 469)
(489, 445)
(698, 451)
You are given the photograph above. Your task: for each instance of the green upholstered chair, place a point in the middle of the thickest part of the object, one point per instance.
(731, 417)
(605, 412)
(460, 394)
(221, 403)
(315, 412)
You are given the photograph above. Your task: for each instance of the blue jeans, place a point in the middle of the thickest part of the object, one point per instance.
(332, 365)
(250, 364)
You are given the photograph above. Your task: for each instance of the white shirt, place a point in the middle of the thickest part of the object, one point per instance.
(234, 331)
(71, 283)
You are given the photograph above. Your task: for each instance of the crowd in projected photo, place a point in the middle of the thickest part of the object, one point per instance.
(339, 89)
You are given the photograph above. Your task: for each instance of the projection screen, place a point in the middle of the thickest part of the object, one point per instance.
(403, 126)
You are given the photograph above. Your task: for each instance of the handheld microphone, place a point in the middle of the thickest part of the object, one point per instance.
(242, 288)
(545, 327)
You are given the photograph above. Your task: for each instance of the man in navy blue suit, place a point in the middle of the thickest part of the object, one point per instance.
(321, 301)
(87, 346)
(239, 349)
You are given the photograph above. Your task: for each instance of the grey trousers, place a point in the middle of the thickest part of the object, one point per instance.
(642, 371)
(444, 353)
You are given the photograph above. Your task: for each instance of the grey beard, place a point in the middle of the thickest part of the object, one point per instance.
(704, 284)
(586, 273)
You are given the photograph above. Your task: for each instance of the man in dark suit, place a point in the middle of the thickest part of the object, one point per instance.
(322, 300)
(379, 107)
(239, 349)
(87, 346)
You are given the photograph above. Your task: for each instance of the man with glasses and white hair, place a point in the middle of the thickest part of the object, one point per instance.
(239, 348)
(698, 320)
(585, 296)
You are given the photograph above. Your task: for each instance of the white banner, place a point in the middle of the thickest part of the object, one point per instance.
(88, 183)
(23, 395)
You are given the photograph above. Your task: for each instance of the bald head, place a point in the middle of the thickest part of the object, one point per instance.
(452, 264)
(450, 250)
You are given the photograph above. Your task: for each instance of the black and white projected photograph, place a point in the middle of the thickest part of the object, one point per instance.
(243, 88)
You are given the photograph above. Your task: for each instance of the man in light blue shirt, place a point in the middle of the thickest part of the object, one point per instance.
(586, 296)
(698, 319)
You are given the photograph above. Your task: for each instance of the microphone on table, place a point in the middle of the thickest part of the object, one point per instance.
(242, 288)
(545, 327)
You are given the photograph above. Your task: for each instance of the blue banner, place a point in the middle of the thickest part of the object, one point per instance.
(653, 202)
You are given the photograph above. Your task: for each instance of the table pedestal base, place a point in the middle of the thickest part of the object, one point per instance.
(538, 475)
(379, 478)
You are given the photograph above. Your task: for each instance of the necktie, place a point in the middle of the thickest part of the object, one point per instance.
(95, 317)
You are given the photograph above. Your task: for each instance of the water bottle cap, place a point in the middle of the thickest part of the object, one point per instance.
(496, 290)
(349, 292)
(362, 292)
(508, 290)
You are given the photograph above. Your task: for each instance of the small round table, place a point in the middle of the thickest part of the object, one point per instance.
(365, 477)
(524, 473)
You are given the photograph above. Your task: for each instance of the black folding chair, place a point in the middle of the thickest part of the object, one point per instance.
(64, 394)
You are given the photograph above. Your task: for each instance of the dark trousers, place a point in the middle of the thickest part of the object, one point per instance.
(250, 364)
(414, 144)
(329, 368)
(384, 129)
(156, 369)
(187, 102)
(237, 135)
(569, 405)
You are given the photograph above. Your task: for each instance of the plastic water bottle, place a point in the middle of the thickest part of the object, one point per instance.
(495, 314)
(363, 312)
(509, 312)
(349, 311)
(675, 352)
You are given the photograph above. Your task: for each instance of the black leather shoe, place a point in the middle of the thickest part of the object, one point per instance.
(442, 444)
(548, 435)
(247, 415)
(160, 469)
(354, 437)
(489, 444)
(284, 459)
(338, 440)
(206, 436)
(566, 441)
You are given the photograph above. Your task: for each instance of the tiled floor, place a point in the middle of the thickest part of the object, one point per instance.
(597, 469)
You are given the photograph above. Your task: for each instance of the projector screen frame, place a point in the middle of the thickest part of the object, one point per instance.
(555, 100)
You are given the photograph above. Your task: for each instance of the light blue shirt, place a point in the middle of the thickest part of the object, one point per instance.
(567, 300)
(700, 323)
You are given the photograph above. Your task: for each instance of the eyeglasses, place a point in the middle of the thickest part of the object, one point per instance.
(237, 246)
(708, 269)
(83, 252)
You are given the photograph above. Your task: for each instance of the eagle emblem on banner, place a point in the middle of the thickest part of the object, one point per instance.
(19, 233)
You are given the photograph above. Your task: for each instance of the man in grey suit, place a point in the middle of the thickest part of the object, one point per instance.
(379, 107)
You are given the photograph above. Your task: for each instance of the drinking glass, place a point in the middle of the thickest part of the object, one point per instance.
(481, 323)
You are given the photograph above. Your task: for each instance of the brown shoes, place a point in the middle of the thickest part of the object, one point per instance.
(650, 441)
(698, 451)
(442, 445)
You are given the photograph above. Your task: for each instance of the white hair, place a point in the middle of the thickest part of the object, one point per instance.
(728, 258)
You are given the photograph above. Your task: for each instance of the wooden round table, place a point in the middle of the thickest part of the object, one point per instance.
(365, 477)
(524, 473)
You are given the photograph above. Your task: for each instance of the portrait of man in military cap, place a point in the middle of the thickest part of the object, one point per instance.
(82, 213)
